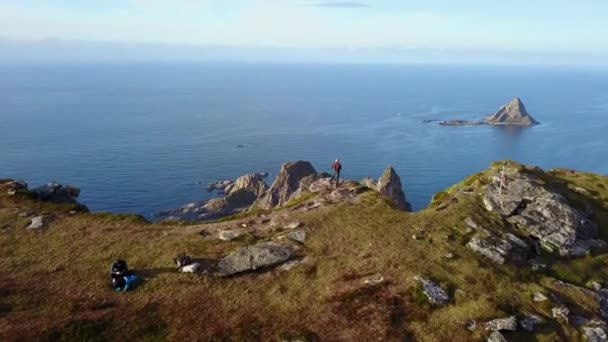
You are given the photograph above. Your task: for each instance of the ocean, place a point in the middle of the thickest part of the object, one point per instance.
(141, 138)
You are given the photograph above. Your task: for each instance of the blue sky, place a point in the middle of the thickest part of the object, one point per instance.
(530, 30)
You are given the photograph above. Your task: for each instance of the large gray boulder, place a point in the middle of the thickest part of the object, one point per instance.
(546, 214)
(251, 258)
(56, 192)
(286, 185)
(513, 113)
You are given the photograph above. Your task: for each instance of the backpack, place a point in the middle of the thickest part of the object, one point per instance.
(119, 267)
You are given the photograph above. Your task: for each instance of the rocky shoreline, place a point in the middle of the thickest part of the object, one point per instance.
(250, 192)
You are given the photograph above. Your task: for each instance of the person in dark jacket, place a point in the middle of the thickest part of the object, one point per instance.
(336, 167)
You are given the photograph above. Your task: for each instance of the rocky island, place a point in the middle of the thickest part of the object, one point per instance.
(519, 257)
(513, 113)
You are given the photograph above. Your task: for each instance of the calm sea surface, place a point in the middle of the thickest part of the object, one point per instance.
(141, 138)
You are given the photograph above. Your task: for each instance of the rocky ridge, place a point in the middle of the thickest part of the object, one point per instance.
(294, 180)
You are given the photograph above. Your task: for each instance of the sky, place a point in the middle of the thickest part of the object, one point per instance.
(475, 31)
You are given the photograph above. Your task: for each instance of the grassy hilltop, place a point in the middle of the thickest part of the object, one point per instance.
(54, 283)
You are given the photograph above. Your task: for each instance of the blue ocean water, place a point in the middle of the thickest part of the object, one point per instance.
(146, 137)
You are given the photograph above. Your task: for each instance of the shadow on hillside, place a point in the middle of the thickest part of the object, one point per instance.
(151, 273)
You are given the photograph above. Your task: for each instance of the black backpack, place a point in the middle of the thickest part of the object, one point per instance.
(119, 268)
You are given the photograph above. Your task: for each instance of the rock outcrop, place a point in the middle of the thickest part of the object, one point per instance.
(389, 185)
(433, 292)
(509, 323)
(13, 186)
(57, 193)
(495, 249)
(239, 196)
(251, 258)
(286, 184)
(513, 113)
(546, 214)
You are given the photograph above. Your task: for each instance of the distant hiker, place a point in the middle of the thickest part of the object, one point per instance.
(336, 167)
(121, 280)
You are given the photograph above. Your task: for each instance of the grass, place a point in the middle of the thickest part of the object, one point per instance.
(54, 284)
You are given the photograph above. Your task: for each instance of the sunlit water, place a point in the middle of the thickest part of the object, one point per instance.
(142, 138)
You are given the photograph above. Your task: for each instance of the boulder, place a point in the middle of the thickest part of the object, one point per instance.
(389, 185)
(435, 294)
(38, 222)
(495, 249)
(286, 184)
(546, 214)
(513, 113)
(509, 323)
(251, 258)
(561, 312)
(529, 321)
(370, 183)
(298, 235)
(496, 336)
(595, 334)
(539, 297)
(56, 192)
(13, 186)
(228, 235)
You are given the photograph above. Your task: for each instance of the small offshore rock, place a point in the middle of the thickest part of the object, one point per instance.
(509, 323)
(539, 297)
(38, 222)
(228, 235)
(496, 336)
(435, 294)
(298, 235)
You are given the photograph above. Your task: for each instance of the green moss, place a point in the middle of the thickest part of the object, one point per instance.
(299, 200)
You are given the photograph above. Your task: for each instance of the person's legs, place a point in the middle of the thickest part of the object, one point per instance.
(333, 176)
(337, 178)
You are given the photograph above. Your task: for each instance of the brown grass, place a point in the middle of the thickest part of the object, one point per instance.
(54, 284)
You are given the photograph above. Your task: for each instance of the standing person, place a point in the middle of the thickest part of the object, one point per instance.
(336, 167)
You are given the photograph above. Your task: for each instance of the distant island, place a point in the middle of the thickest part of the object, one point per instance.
(513, 113)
